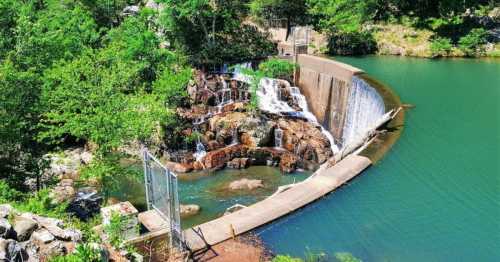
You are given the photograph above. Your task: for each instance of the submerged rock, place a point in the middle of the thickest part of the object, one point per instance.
(189, 210)
(245, 184)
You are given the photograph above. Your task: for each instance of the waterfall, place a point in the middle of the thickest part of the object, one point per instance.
(234, 140)
(200, 150)
(365, 107)
(269, 100)
(278, 137)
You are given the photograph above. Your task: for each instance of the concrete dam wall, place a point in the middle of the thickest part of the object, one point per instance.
(339, 97)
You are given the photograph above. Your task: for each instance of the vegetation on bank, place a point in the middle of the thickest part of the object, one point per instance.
(415, 28)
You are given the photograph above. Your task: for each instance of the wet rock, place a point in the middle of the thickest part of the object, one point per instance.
(288, 162)
(239, 163)
(24, 227)
(5, 228)
(233, 209)
(179, 167)
(189, 210)
(246, 184)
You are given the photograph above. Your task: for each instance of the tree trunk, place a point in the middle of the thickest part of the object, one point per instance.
(288, 29)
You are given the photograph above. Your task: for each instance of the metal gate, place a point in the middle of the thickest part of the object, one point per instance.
(162, 196)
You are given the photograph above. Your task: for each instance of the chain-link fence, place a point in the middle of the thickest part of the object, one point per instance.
(162, 196)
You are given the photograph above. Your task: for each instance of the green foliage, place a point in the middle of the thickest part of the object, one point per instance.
(339, 16)
(441, 46)
(8, 194)
(42, 204)
(211, 32)
(286, 258)
(277, 68)
(472, 43)
(255, 78)
(115, 229)
(171, 86)
(193, 137)
(351, 43)
(83, 253)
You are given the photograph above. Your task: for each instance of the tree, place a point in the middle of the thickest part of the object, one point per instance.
(294, 11)
(20, 157)
(211, 32)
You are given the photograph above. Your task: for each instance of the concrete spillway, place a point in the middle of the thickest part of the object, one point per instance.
(323, 182)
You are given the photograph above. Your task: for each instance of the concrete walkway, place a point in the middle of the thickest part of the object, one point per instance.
(323, 181)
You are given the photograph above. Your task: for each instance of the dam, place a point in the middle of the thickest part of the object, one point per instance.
(347, 106)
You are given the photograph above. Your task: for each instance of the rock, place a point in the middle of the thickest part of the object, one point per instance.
(86, 157)
(54, 248)
(233, 209)
(495, 14)
(24, 227)
(178, 167)
(246, 184)
(189, 210)
(239, 163)
(86, 204)
(288, 162)
(5, 210)
(218, 158)
(11, 250)
(5, 228)
(256, 130)
(42, 236)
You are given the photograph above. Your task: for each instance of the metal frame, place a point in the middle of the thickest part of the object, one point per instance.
(169, 210)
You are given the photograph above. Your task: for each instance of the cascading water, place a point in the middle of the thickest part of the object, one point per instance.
(200, 150)
(278, 137)
(234, 140)
(365, 108)
(269, 100)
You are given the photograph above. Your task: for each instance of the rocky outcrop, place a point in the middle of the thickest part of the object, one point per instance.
(305, 140)
(288, 162)
(250, 130)
(245, 184)
(189, 210)
(178, 167)
(239, 163)
(33, 237)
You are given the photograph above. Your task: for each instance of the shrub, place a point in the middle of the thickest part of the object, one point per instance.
(41, 203)
(8, 194)
(472, 43)
(346, 257)
(83, 253)
(441, 46)
(353, 43)
(277, 68)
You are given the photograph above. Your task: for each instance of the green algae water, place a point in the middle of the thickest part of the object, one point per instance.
(435, 196)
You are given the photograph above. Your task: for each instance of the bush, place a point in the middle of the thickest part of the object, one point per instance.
(277, 68)
(354, 43)
(472, 43)
(41, 203)
(83, 253)
(8, 194)
(441, 46)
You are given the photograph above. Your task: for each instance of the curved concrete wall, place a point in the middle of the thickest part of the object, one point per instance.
(326, 84)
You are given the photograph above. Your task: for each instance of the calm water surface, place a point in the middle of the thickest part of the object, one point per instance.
(436, 195)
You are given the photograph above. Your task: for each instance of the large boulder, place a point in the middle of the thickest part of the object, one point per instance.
(11, 250)
(250, 130)
(239, 163)
(24, 227)
(288, 162)
(189, 210)
(178, 167)
(245, 184)
(5, 228)
(305, 140)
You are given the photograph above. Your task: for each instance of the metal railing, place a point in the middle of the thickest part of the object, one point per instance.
(162, 196)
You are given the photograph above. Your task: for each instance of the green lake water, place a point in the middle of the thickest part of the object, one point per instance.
(209, 189)
(435, 196)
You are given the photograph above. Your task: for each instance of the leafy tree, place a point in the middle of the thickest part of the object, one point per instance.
(20, 157)
(344, 16)
(294, 11)
(472, 43)
(211, 32)
(47, 35)
(277, 68)
(107, 13)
